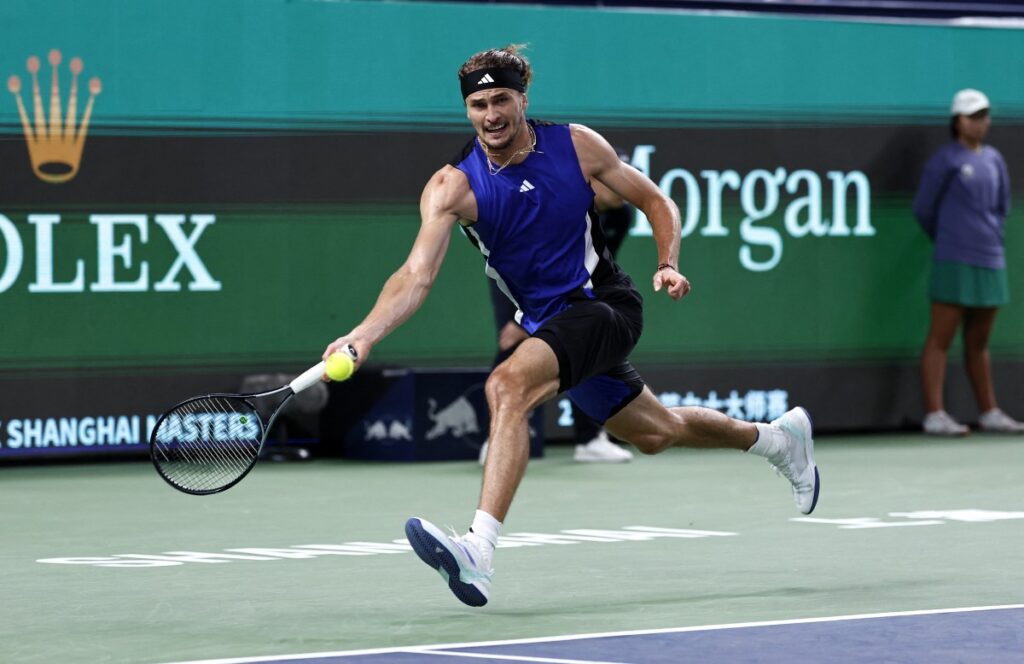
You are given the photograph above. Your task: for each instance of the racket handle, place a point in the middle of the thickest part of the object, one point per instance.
(311, 376)
(308, 378)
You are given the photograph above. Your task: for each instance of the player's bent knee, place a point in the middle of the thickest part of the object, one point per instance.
(650, 443)
(494, 388)
(503, 389)
(655, 446)
(646, 424)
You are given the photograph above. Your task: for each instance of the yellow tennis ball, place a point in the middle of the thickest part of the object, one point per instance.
(340, 366)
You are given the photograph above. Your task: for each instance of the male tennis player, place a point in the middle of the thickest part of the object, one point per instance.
(520, 191)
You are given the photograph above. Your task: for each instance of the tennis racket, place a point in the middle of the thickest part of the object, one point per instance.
(207, 444)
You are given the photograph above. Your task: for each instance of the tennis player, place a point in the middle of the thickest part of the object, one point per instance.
(592, 443)
(520, 190)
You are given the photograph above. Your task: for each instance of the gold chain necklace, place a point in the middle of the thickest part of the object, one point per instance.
(525, 150)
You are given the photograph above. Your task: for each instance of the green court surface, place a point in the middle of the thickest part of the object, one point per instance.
(689, 538)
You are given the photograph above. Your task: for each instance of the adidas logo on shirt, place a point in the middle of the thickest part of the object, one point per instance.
(486, 79)
(526, 186)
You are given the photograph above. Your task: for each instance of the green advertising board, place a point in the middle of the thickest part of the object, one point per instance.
(250, 172)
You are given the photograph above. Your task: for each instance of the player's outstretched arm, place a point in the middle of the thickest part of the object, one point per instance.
(441, 205)
(599, 161)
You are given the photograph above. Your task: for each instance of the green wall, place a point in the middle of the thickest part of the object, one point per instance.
(260, 63)
(300, 250)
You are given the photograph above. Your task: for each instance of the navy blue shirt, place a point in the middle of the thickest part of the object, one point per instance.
(534, 225)
(962, 203)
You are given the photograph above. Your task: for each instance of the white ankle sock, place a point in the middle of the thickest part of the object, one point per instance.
(486, 528)
(768, 440)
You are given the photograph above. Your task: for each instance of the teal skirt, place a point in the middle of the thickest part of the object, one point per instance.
(968, 285)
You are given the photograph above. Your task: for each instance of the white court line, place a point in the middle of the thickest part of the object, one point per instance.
(510, 658)
(424, 649)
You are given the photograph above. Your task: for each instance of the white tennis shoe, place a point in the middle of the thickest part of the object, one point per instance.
(598, 450)
(996, 421)
(794, 459)
(941, 423)
(601, 450)
(460, 562)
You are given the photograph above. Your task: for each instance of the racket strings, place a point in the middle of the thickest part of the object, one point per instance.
(229, 453)
(232, 447)
(208, 463)
(206, 444)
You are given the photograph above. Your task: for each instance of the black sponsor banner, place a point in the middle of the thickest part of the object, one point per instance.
(48, 417)
(864, 397)
(53, 415)
(258, 168)
(354, 167)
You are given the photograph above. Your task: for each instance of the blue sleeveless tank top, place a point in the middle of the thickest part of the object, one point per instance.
(534, 226)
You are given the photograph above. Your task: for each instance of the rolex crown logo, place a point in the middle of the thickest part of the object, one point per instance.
(54, 147)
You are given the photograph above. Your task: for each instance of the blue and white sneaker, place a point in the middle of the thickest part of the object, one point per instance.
(795, 461)
(459, 561)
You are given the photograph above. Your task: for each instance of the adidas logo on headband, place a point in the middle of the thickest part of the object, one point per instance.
(490, 77)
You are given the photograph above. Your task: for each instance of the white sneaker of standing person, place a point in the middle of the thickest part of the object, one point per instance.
(996, 421)
(601, 450)
(459, 559)
(788, 445)
(941, 423)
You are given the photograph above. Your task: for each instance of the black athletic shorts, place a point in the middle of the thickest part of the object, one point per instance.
(592, 340)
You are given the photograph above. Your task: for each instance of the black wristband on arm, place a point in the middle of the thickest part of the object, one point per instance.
(662, 266)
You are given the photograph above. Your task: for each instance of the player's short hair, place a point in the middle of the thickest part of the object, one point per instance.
(509, 57)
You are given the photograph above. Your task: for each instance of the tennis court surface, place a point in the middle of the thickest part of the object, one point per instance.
(913, 555)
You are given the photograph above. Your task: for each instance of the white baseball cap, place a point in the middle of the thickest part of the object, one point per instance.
(968, 102)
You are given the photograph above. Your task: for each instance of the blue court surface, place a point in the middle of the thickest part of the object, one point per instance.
(992, 634)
